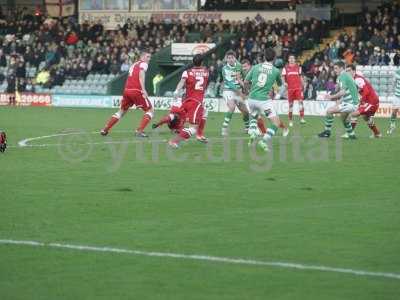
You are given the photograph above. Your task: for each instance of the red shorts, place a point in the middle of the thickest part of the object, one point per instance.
(295, 95)
(193, 110)
(367, 109)
(136, 98)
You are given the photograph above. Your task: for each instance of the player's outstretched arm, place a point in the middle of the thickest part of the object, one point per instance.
(336, 96)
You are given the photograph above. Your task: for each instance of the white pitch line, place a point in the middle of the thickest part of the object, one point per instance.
(226, 260)
(24, 143)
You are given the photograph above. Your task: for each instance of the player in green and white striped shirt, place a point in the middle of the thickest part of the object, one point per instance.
(232, 75)
(262, 77)
(395, 103)
(347, 99)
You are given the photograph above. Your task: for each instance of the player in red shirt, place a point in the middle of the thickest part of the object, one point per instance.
(134, 94)
(3, 141)
(291, 76)
(195, 80)
(369, 103)
(175, 119)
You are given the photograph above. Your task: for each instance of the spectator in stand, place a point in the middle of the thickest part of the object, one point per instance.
(374, 58)
(383, 59)
(43, 76)
(330, 85)
(114, 67)
(20, 70)
(72, 38)
(29, 86)
(3, 60)
(333, 51)
(396, 58)
(348, 56)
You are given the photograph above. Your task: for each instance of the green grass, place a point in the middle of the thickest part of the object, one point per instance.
(332, 203)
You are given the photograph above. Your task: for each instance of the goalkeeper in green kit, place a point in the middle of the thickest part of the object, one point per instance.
(261, 79)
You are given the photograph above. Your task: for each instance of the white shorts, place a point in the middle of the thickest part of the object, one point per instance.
(229, 95)
(396, 102)
(257, 107)
(347, 107)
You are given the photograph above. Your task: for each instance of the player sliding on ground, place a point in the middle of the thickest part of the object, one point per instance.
(291, 75)
(175, 118)
(261, 79)
(369, 102)
(232, 76)
(195, 80)
(347, 100)
(134, 94)
(395, 103)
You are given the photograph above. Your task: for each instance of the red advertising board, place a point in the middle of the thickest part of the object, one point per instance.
(26, 99)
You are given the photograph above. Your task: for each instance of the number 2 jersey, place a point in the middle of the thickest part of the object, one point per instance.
(196, 79)
(262, 78)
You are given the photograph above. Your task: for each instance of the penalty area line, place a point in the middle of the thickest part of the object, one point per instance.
(205, 258)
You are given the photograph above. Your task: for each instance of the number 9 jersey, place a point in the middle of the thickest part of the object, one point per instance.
(196, 80)
(262, 78)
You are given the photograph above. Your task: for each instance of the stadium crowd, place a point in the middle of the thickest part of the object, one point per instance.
(60, 49)
(375, 42)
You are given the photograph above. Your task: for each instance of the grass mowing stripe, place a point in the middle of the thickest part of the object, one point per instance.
(227, 260)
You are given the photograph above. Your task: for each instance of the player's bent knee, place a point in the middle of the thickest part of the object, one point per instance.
(119, 114)
(150, 114)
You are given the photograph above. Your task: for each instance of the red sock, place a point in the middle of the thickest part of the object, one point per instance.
(374, 129)
(354, 124)
(111, 123)
(145, 120)
(164, 120)
(261, 126)
(281, 125)
(290, 116)
(302, 113)
(200, 130)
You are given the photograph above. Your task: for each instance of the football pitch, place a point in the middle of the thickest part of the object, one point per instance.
(90, 217)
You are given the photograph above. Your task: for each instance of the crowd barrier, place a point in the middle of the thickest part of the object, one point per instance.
(311, 107)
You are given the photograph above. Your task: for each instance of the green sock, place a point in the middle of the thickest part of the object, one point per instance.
(393, 119)
(253, 123)
(246, 121)
(227, 119)
(348, 127)
(328, 122)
